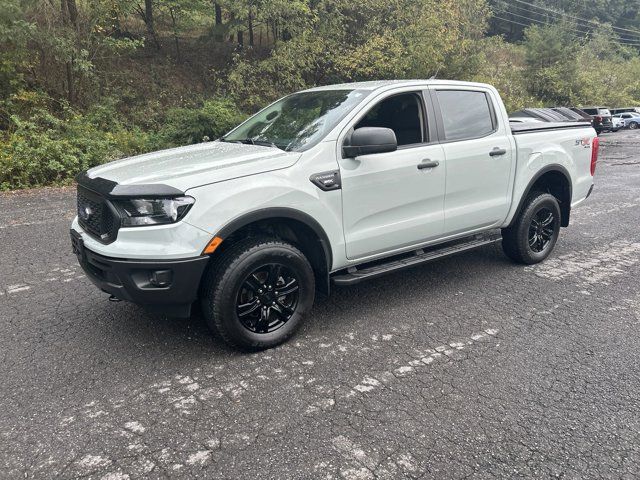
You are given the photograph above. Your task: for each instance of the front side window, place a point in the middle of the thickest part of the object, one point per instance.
(465, 114)
(402, 114)
(299, 121)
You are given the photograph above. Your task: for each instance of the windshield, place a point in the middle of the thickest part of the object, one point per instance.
(299, 121)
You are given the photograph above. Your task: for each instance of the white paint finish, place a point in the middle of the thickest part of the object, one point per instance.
(388, 207)
(388, 203)
(477, 184)
(178, 240)
(536, 150)
(195, 165)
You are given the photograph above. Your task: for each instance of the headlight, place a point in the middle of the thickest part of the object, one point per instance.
(137, 212)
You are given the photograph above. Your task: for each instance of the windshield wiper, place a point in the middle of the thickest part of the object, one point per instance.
(266, 143)
(251, 141)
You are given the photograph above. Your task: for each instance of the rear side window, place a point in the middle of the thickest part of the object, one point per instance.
(604, 111)
(465, 114)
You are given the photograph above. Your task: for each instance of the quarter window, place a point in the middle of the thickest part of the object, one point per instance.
(465, 114)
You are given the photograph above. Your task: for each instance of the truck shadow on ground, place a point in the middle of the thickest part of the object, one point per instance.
(346, 307)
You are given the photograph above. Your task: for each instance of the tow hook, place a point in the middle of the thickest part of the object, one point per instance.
(113, 298)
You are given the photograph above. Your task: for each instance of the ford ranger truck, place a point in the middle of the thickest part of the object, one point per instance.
(329, 186)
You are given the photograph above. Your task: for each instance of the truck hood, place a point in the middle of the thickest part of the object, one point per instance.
(195, 165)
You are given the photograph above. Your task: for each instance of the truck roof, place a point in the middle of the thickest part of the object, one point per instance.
(380, 84)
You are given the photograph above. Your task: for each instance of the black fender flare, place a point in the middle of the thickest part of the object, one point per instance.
(566, 210)
(281, 212)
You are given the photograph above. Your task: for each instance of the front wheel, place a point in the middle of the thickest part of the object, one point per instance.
(534, 233)
(256, 295)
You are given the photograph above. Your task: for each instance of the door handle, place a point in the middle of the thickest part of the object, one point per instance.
(497, 151)
(426, 163)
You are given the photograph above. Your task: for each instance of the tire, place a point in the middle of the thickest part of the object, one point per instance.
(239, 293)
(531, 225)
(633, 125)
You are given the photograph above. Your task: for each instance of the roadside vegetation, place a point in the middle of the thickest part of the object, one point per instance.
(83, 82)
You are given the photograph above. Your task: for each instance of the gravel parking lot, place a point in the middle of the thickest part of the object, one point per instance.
(468, 367)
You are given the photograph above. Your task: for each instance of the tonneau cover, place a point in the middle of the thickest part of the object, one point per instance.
(530, 127)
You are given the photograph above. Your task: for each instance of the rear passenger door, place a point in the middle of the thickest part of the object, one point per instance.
(478, 159)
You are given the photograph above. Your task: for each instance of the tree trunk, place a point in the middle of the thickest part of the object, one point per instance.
(241, 38)
(250, 29)
(72, 9)
(150, 23)
(68, 66)
(218, 11)
(175, 34)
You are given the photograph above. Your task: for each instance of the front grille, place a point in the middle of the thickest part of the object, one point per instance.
(96, 216)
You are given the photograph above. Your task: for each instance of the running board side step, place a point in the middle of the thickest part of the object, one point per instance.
(357, 274)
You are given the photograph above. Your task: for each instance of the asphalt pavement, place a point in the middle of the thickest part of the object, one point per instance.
(469, 367)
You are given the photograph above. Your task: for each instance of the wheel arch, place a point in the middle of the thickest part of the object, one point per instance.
(556, 180)
(288, 224)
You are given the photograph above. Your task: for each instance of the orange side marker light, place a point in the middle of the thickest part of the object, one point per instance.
(212, 245)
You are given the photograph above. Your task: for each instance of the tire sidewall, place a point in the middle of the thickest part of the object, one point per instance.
(248, 262)
(537, 203)
(542, 201)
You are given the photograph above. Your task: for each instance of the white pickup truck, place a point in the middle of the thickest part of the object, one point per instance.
(331, 185)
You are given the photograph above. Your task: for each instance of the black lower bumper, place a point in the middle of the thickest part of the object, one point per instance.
(163, 286)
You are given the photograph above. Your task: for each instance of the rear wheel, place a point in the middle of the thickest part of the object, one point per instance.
(633, 125)
(534, 233)
(256, 295)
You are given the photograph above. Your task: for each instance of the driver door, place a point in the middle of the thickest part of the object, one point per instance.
(390, 200)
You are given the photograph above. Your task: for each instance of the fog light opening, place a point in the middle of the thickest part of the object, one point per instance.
(160, 278)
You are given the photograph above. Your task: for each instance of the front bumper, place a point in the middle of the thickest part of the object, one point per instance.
(163, 286)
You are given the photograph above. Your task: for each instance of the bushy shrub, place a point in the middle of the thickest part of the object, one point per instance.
(184, 126)
(48, 143)
(42, 148)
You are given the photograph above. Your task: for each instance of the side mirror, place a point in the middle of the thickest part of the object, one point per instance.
(368, 140)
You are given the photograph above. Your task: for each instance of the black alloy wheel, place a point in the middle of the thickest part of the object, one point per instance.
(256, 292)
(541, 230)
(268, 298)
(534, 232)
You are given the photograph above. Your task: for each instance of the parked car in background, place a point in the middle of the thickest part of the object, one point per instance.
(615, 111)
(629, 119)
(601, 118)
(617, 122)
(582, 113)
